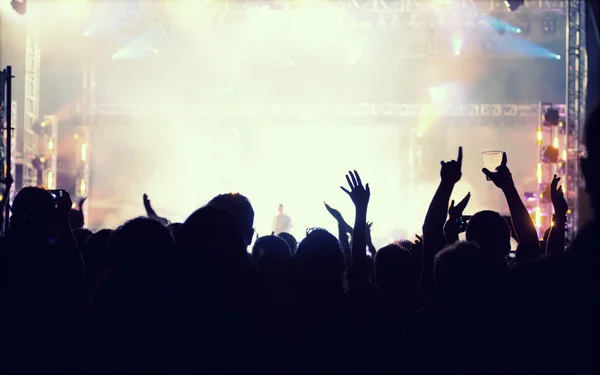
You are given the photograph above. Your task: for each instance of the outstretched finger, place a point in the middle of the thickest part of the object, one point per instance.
(419, 238)
(368, 189)
(452, 204)
(460, 157)
(345, 190)
(554, 183)
(560, 190)
(358, 178)
(349, 182)
(504, 160)
(462, 204)
(487, 173)
(353, 177)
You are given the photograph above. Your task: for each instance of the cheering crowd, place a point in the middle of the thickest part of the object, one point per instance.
(152, 296)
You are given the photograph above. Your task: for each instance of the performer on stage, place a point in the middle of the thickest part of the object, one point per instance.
(282, 223)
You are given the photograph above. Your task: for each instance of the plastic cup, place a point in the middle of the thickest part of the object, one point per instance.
(492, 160)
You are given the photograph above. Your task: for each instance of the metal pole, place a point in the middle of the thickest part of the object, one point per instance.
(8, 110)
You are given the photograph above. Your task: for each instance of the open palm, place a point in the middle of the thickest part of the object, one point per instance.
(360, 195)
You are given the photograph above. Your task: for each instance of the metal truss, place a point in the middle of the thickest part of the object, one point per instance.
(549, 138)
(27, 148)
(3, 132)
(348, 109)
(89, 118)
(576, 70)
(411, 14)
(398, 6)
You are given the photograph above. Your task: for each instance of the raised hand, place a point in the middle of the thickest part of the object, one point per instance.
(502, 178)
(333, 212)
(456, 211)
(451, 171)
(558, 198)
(151, 213)
(452, 228)
(418, 244)
(360, 195)
(148, 206)
(81, 202)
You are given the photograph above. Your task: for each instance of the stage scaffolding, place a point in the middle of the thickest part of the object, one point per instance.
(477, 112)
(390, 13)
(576, 70)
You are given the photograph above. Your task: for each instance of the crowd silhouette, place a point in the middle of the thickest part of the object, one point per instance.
(155, 296)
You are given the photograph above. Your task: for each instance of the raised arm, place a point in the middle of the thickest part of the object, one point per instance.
(360, 197)
(370, 246)
(151, 213)
(343, 230)
(557, 236)
(529, 244)
(433, 227)
(453, 226)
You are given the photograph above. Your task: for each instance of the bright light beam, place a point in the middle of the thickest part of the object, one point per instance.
(514, 44)
(145, 45)
(500, 25)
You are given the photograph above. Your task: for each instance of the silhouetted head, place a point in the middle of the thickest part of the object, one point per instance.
(460, 274)
(281, 209)
(590, 164)
(492, 233)
(320, 261)
(290, 240)
(406, 244)
(76, 219)
(33, 211)
(142, 245)
(271, 251)
(240, 208)
(395, 273)
(212, 232)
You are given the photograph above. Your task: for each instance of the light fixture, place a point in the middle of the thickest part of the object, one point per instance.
(523, 22)
(549, 26)
(513, 5)
(551, 117)
(84, 152)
